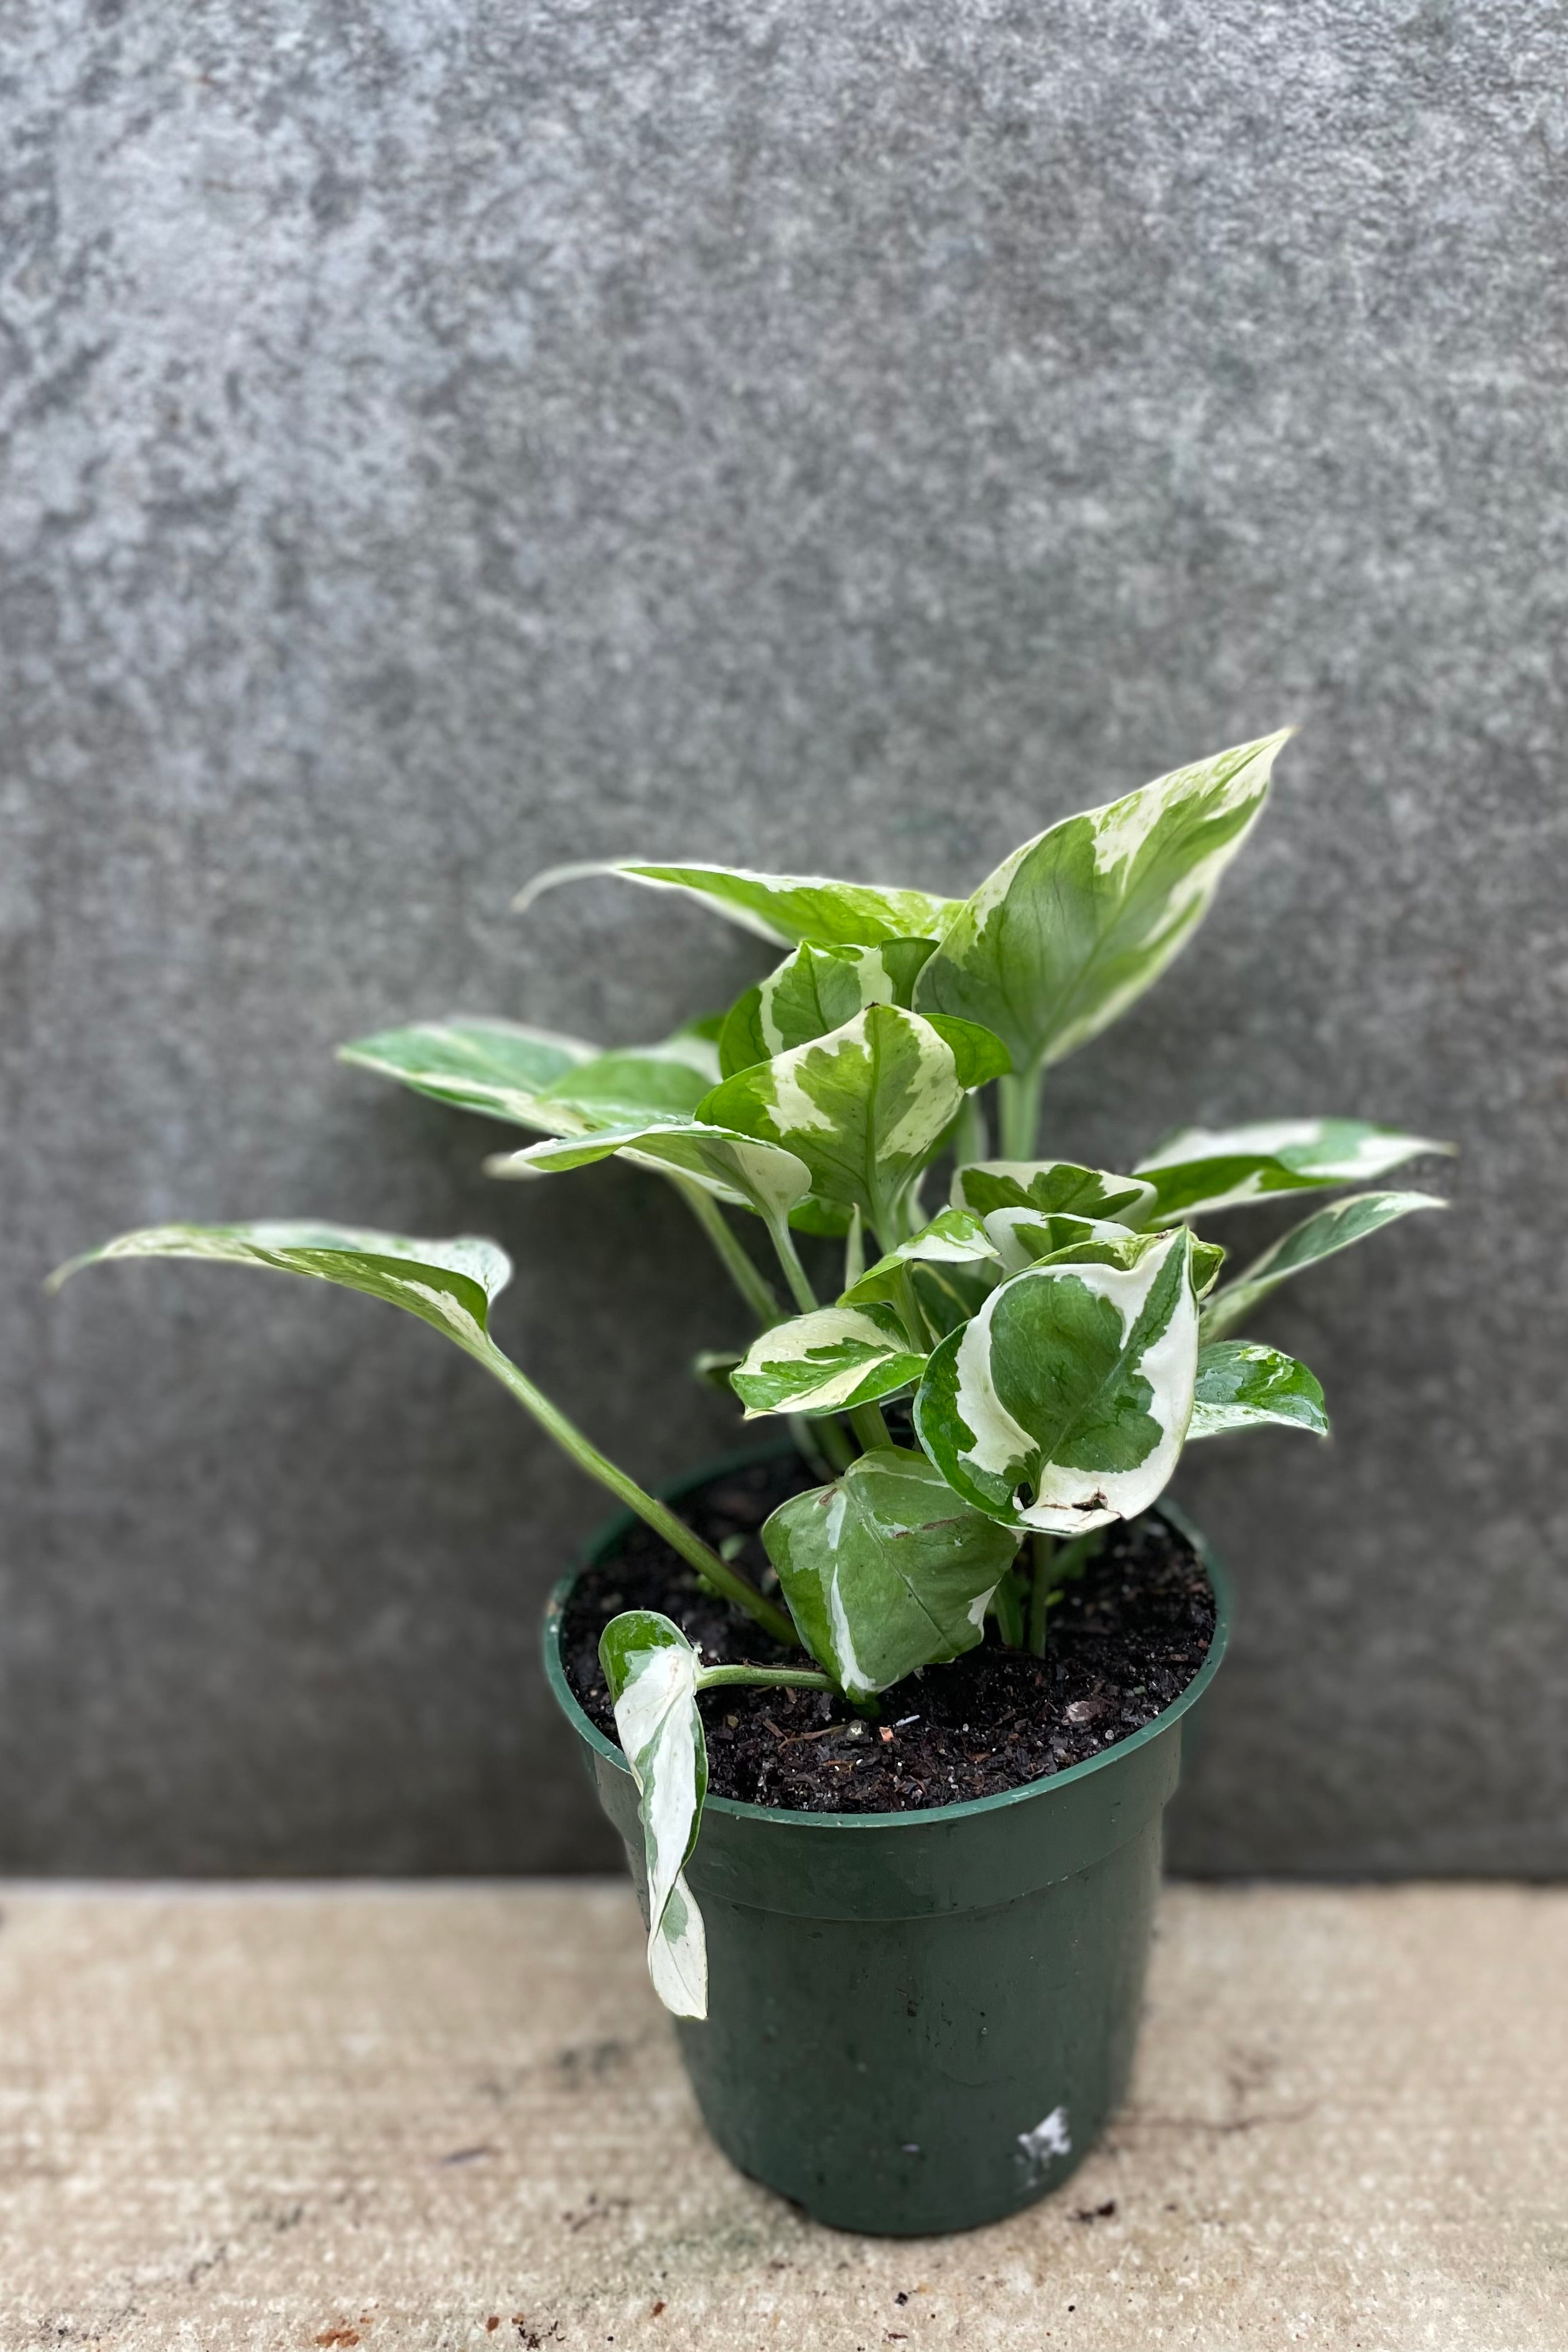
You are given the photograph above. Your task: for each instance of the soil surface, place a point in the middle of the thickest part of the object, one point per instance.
(1125, 1642)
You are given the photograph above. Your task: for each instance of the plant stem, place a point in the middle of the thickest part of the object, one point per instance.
(794, 1272)
(869, 1427)
(1008, 1607)
(1043, 1551)
(1019, 1099)
(853, 1250)
(749, 1279)
(909, 1307)
(971, 1141)
(783, 1677)
(658, 1516)
(834, 1444)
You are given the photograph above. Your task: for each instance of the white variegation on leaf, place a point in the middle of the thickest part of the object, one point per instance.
(736, 1167)
(1064, 1404)
(501, 1068)
(652, 1671)
(1332, 1228)
(864, 1108)
(1053, 1187)
(1025, 1237)
(792, 909)
(952, 1238)
(1207, 1167)
(1073, 927)
(815, 990)
(1243, 1386)
(830, 1362)
(885, 1570)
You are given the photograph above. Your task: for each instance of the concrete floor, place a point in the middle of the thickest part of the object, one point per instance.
(428, 2116)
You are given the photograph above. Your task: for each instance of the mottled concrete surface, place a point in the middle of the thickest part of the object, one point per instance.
(444, 439)
(429, 2120)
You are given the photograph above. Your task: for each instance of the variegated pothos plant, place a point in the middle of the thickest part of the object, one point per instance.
(1059, 1332)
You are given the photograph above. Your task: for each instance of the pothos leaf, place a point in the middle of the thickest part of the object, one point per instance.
(791, 907)
(864, 1108)
(447, 1283)
(1330, 1229)
(814, 991)
(831, 1362)
(1074, 926)
(736, 1167)
(1051, 1185)
(639, 1082)
(1063, 1405)
(1243, 1386)
(952, 1238)
(498, 1068)
(651, 1669)
(1202, 1169)
(885, 1570)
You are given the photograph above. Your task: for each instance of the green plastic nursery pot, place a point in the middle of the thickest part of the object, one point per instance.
(918, 2022)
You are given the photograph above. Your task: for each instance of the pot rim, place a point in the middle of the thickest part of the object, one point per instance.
(919, 1817)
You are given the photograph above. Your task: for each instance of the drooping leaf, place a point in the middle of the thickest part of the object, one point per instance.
(651, 1670)
(1063, 1405)
(737, 1167)
(865, 1108)
(450, 1285)
(814, 991)
(885, 1570)
(792, 909)
(1051, 1185)
(1204, 1168)
(952, 1238)
(1074, 926)
(828, 1362)
(1243, 1386)
(1332, 1228)
(639, 1082)
(498, 1068)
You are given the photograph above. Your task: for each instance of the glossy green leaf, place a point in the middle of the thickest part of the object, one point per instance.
(1204, 1168)
(1243, 1386)
(447, 1283)
(737, 1167)
(864, 1108)
(831, 1362)
(637, 1081)
(952, 1238)
(1332, 1228)
(1025, 1237)
(885, 1570)
(814, 991)
(498, 1068)
(1051, 1186)
(950, 1295)
(792, 909)
(1073, 927)
(651, 1669)
(1063, 1405)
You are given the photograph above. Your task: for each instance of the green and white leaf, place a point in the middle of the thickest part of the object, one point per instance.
(1064, 1404)
(1319, 1237)
(651, 1669)
(1073, 927)
(951, 1295)
(637, 1083)
(450, 1285)
(1024, 1237)
(737, 1168)
(864, 1108)
(792, 909)
(498, 1068)
(885, 1570)
(1052, 1186)
(831, 1362)
(1243, 1386)
(814, 991)
(952, 1238)
(1207, 1167)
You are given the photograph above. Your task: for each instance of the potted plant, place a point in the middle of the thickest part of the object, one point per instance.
(941, 1700)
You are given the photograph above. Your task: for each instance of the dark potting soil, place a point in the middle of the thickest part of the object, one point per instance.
(1125, 1642)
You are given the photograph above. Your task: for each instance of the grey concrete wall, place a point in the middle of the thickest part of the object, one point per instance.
(448, 438)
